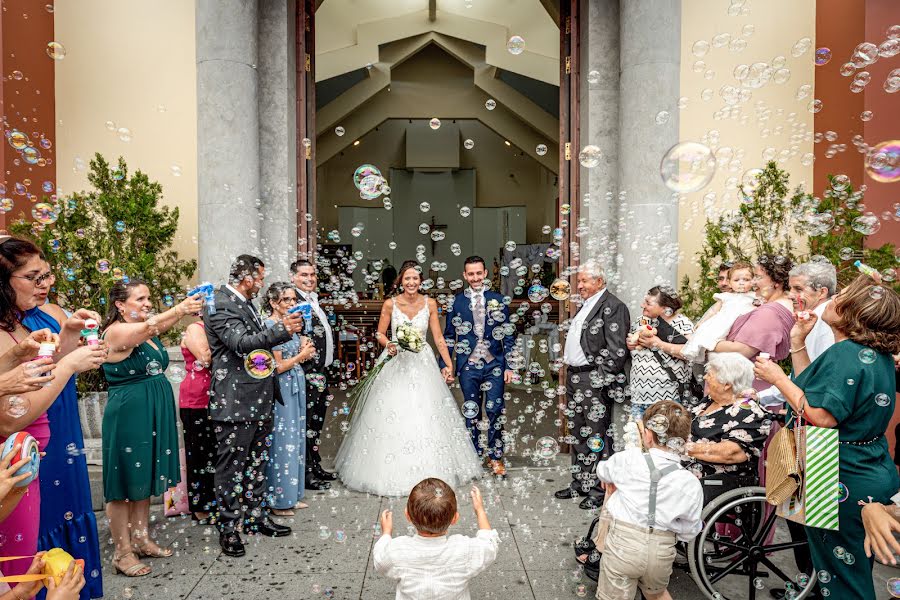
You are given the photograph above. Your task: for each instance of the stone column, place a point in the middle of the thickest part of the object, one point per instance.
(600, 127)
(650, 34)
(227, 134)
(277, 135)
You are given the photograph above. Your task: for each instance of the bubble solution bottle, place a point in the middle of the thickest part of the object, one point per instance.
(91, 332)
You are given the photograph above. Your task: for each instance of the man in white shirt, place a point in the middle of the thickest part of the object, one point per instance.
(810, 287)
(303, 275)
(597, 363)
(647, 517)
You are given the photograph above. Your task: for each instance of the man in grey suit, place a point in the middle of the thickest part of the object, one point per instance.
(597, 366)
(242, 405)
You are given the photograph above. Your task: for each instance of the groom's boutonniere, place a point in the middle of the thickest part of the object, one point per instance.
(493, 305)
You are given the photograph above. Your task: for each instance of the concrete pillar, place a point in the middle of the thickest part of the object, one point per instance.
(227, 134)
(600, 127)
(277, 135)
(650, 35)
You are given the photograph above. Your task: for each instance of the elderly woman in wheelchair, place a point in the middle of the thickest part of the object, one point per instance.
(736, 554)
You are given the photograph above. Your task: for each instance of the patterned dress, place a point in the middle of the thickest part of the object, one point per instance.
(650, 382)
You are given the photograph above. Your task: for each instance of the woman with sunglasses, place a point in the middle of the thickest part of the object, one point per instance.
(65, 517)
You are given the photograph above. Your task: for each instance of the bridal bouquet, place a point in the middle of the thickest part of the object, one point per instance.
(408, 339)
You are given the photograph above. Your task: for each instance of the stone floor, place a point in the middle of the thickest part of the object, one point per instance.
(329, 553)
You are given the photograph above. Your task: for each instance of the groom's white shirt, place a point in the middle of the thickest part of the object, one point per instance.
(313, 300)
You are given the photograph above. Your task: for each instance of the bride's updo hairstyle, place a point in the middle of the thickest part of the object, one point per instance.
(406, 266)
(431, 507)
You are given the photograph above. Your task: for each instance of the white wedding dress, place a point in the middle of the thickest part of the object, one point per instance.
(409, 426)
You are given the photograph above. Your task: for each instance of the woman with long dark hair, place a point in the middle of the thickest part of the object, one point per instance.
(57, 510)
(287, 464)
(140, 433)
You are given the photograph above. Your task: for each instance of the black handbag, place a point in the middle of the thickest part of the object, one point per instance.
(690, 391)
(586, 545)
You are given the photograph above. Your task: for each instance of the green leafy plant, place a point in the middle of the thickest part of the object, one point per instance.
(797, 227)
(118, 230)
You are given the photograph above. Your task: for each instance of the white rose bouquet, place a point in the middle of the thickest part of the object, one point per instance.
(409, 338)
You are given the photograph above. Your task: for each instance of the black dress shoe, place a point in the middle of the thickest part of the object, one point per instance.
(589, 503)
(568, 493)
(322, 474)
(779, 594)
(231, 544)
(317, 484)
(268, 528)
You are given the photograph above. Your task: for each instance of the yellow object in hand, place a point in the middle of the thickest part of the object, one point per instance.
(57, 561)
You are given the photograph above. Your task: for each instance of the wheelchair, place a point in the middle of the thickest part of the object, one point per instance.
(734, 556)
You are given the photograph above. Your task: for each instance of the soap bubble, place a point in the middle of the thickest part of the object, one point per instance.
(44, 213)
(750, 181)
(339, 131)
(17, 139)
(687, 167)
(103, 265)
(546, 448)
(17, 406)
(590, 156)
(516, 45)
(541, 149)
(842, 492)
(120, 226)
(867, 224)
(560, 289)
(469, 144)
(259, 364)
(883, 162)
(435, 123)
(56, 51)
(491, 104)
(176, 170)
(176, 373)
(662, 117)
(882, 400)
(510, 246)
(124, 134)
(700, 48)
(595, 443)
(6, 205)
(424, 206)
(470, 409)
(594, 76)
(825, 576)
(537, 293)
(465, 211)
(867, 356)
(893, 587)
(823, 55)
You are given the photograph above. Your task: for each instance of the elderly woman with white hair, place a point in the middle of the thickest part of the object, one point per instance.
(729, 427)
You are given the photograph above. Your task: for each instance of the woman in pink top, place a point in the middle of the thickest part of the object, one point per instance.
(199, 440)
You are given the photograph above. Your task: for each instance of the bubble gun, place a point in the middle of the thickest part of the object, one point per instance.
(305, 310)
(867, 270)
(209, 295)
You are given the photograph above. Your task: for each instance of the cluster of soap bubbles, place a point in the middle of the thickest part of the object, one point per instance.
(370, 182)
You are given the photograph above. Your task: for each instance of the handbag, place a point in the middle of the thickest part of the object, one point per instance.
(175, 499)
(784, 475)
(690, 391)
(604, 520)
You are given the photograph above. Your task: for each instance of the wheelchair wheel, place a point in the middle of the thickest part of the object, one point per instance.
(735, 555)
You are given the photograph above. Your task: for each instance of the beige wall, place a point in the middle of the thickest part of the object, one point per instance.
(787, 134)
(131, 62)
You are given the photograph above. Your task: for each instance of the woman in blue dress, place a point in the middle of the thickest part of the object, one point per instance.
(287, 461)
(67, 513)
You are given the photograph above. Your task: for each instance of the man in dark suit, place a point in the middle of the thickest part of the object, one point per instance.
(241, 405)
(303, 275)
(480, 357)
(597, 367)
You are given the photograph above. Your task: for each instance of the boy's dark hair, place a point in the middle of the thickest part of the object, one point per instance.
(243, 266)
(474, 260)
(678, 417)
(431, 506)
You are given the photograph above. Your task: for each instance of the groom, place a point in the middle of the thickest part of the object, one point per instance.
(480, 357)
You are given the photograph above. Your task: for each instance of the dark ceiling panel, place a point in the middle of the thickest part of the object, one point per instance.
(329, 89)
(543, 94)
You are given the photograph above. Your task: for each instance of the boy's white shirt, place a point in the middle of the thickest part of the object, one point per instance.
(679, 496)
(438, 567)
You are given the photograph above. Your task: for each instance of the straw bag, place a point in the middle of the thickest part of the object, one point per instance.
(784, 474)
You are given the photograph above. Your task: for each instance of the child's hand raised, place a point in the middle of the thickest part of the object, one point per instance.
(477, 500)
(387, 522)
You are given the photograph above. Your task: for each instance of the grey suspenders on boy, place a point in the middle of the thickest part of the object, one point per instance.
(655, 476)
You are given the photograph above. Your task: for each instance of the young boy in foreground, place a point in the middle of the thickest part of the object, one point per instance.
(432, 564)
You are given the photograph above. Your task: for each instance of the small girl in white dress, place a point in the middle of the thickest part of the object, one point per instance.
(717, 321)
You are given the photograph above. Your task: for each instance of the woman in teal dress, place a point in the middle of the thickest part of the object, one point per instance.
(851, 387)
(140, 432)
(286, 469)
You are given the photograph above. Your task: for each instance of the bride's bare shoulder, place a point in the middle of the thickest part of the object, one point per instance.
(388, 305)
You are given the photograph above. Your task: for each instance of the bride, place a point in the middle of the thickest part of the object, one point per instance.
(409, 426)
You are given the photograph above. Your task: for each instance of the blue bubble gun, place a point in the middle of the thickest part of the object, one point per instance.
(867, 270)
(209, 295)
(305, 309)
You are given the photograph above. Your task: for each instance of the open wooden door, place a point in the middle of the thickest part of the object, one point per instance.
(569, 145)
(306, 127)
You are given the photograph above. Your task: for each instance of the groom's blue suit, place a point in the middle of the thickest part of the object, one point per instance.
(474, 376)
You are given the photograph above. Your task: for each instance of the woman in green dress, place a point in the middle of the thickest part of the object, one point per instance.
(140, 434)
(851, 387)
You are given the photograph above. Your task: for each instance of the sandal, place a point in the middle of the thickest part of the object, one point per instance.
(283, 512)
(144, 550)
(301, 505)
(138, 569)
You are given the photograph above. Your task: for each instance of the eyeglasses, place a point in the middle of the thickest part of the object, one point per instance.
(37, 280)
(287, 300)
